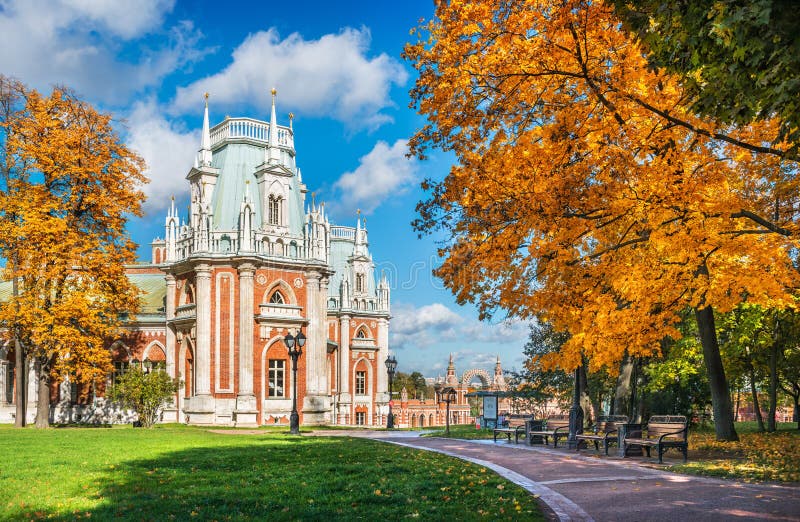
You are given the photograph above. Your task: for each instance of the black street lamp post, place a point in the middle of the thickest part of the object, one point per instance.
(295, 347)
(391, 366)
(575, 413)
(447, 395)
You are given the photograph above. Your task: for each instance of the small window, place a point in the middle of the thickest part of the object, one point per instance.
(277, 298)
(120, 367)
(361, 418)
(359, 282)
(361, 383)
(277, 374)
(361, 334)
(274, 210)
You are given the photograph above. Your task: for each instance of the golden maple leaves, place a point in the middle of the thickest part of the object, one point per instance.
(69, 186)
(585, 189)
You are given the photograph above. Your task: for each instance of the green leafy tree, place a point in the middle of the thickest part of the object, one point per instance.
(676, 382)
(738, 58)
(145, 392)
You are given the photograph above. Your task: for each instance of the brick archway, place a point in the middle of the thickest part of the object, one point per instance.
(476, 372)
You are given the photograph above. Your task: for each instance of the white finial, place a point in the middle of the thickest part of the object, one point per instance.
(291, 119)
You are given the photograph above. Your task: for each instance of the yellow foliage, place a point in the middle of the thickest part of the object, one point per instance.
(69, 185)
(585, 189)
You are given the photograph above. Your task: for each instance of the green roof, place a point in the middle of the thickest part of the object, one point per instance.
(154, 287)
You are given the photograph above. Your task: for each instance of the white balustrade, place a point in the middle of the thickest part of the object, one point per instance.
(248, 128)
(343, 232)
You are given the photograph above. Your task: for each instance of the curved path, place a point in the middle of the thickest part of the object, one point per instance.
(586, 487)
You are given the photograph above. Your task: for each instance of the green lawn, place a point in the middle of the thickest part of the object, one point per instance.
(461, 431)
(177, 473)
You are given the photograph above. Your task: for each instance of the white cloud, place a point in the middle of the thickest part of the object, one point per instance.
(77, 43)
(167, 149)
(125, 19)
(384, 171)
(436, 324)
(330, 77)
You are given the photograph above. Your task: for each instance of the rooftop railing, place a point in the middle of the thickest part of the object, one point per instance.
(249, 129)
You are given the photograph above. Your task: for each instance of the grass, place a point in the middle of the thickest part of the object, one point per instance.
(755, 457)
(177, 473)
(460, 431)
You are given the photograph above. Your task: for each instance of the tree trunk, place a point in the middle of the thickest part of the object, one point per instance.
(588, 405)
(20, 380)
(738, 401)
(796, 413)
(43, 401)
(773, 380)
(754, 392)
(622, 393)
(21, 410)
(720, 394)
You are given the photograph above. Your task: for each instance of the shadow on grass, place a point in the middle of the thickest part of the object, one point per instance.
(294, 478)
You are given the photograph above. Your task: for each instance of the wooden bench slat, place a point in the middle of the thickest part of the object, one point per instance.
(604, 430)
(662, 432)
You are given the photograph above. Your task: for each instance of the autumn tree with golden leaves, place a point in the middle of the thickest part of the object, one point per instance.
(586, 192)
(67, 190)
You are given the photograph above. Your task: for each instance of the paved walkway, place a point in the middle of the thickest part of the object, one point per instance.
(586, 487)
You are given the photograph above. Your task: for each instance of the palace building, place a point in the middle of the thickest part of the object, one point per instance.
(254, 258)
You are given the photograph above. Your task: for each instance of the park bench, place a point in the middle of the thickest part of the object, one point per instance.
(555, 426)
(514, 425)
(662, 432)
(604, 430)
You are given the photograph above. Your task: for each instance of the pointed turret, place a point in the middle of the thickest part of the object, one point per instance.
(246, 217)
(344, 293)
(204, 154)
(383, 294)
(499, 381)
(273, 154)
(317, 238)
(171, 232)
(451, 379)
(360, 248)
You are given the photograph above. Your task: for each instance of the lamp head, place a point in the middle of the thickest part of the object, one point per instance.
(289, 340)
(391, 364)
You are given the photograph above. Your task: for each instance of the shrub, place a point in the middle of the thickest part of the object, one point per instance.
(145, 393)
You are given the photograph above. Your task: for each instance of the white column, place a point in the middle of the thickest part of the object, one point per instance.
(170, 334)
(344, 351)
(203, 331)
(383, 353)
(313, 350)
(3, 380)
(246, 412)
(316, 403)
(323, 382)
(345, 399)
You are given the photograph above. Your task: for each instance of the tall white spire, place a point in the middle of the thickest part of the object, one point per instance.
(204, 155)
(273, 153)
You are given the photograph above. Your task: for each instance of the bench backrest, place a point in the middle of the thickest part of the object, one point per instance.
(515, 420)
(557, 421)
(609, 423)
(659, 425)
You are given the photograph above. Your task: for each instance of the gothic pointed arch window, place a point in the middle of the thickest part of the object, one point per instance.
(277, 298)
(274, 210)
(361, 334)
(360, 283)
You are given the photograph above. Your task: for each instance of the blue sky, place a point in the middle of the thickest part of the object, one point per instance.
(337, 68)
